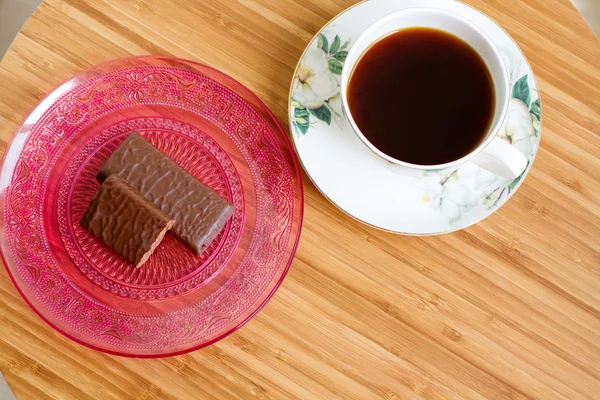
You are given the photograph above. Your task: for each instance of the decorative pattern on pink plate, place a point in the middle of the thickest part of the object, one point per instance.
(173, 269)
(206, 122)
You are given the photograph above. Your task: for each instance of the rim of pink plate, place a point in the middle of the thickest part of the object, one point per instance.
(300, 185)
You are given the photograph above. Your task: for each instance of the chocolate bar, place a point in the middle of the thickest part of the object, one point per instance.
(126, 221)
(199, 213)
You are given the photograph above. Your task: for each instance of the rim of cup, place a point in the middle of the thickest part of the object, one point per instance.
(349, 69)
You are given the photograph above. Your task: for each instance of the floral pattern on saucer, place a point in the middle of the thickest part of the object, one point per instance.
(316, 87)
(364, 186)
(456, 193)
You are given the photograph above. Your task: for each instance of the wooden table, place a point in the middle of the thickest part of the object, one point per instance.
(507, 309)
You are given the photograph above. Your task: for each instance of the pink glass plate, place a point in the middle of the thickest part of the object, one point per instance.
(210, 125)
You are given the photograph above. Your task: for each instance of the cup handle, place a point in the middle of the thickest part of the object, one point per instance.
(502, 159)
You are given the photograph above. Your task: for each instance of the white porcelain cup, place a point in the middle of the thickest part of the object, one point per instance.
(493, 154)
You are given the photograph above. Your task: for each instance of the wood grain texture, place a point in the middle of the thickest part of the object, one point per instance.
(507, 309)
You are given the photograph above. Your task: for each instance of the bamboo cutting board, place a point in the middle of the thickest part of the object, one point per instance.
(507, 309)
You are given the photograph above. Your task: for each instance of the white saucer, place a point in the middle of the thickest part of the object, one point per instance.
(368, 188)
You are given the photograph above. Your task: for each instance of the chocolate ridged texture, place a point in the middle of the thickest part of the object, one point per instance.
(199, 213)
(126, 221)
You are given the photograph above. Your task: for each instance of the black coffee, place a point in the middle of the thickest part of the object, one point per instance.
(422, 96)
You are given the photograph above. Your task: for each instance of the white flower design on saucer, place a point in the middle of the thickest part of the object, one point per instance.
(519, 130)
(450, 196)
(316, 86)
(514, 65)
(314, 83)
